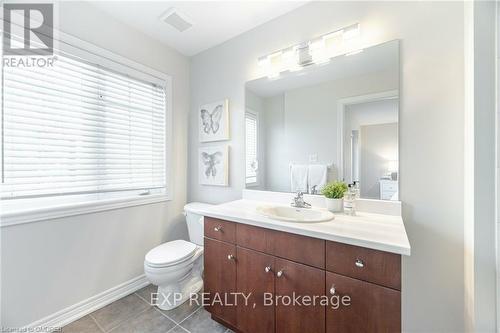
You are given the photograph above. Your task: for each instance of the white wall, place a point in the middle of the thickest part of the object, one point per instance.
(50, 265)
(479, 254)
(497, 130)
(484, 168)
(431, 132)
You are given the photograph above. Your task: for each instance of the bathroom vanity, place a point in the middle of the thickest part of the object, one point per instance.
(355, 256)
(303, 130)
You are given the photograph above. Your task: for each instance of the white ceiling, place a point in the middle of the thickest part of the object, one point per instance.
(214, 22)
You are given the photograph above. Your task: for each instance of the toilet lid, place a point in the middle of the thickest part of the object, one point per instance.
(170, 253)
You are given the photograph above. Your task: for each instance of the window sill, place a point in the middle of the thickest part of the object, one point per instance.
(12, 213)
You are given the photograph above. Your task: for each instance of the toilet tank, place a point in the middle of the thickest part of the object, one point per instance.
(195, 221)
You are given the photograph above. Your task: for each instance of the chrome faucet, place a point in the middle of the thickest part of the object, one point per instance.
(314, 189)
(298, 201)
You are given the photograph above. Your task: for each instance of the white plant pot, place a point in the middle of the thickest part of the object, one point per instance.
(334, 205)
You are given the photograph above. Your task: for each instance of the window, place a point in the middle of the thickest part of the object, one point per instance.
(81, 128)
(251, 151)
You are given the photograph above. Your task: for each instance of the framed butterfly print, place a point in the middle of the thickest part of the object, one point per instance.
(214, 121)
(213, 165)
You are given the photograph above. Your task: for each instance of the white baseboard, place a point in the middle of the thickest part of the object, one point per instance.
(83, 308)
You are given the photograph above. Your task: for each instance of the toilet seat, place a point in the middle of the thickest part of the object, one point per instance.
(170, 253)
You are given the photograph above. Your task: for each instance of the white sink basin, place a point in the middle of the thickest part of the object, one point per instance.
(292, 214)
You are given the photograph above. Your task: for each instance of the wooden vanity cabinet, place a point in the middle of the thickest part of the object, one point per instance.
(373, 308)
(220, 277)
(246, 259)
(255, 275)
(374, 266)
(300, 280)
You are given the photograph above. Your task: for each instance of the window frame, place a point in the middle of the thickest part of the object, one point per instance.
(13, 211)
(257, 150)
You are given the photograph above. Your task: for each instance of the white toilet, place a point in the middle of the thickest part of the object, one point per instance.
(176, 267)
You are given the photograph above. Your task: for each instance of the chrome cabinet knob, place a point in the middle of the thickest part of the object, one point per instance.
(332, 290)
(359, 263)
(230, 257)
(279, 274)
(218, 228)
(267, 269)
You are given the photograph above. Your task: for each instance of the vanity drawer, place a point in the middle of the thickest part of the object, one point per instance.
(220, 229)
(302, 249)
(374, 266)
(254, 238)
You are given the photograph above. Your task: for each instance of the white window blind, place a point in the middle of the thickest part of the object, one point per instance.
(78, 127)
(251, 147)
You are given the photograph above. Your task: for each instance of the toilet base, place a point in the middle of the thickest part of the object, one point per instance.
(173, 295)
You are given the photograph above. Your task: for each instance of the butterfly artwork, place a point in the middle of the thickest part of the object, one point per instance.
(211, 121)
(211, 161)
(213, 165)
(214, 121)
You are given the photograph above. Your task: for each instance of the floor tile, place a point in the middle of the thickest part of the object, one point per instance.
(113, 314)
(200, 322)
(182, 311)
(179, 313)
(150, 321)
(178, 329)
(82, 325)
(145, 293)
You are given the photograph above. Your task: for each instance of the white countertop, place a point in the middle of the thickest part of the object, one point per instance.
(374, 231)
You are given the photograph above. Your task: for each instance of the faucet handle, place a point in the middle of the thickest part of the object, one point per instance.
(299, 202)
(314, 189)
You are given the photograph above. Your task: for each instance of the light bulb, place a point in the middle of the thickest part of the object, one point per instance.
(351, 31)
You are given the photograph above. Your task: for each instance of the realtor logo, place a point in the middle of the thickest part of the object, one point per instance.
(28, 29)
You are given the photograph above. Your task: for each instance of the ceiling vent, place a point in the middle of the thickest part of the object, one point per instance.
(176, 19)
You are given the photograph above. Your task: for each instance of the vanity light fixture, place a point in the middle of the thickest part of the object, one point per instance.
(351, 31)
(317, 51)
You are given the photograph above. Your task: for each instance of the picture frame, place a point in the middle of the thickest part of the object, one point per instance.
(213, 119)
(213, 165)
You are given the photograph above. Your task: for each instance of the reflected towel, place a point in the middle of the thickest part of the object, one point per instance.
(298, 177)
(318, 176)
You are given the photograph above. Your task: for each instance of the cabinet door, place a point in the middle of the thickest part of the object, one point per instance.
(372, 308)
(255, 279)
(294, 279)
(220, 279)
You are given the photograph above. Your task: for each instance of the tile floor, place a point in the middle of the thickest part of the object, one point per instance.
(134, 314)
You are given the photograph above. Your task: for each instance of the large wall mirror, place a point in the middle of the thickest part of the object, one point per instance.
(335, 121)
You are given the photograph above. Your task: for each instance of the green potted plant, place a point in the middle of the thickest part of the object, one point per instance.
(334, 195)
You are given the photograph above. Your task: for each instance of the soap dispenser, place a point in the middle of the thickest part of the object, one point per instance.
(350, 200)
